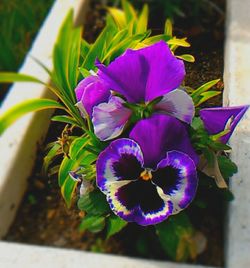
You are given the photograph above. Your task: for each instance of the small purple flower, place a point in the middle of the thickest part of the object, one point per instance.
(90, 92)
(221, 119)
(151, 175)
(140, 76)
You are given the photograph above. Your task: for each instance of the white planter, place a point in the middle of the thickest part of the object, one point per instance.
(19, 144)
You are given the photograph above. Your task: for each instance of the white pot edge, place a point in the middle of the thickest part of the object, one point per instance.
(237, 92)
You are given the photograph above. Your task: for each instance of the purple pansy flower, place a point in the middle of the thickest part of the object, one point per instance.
(140, 76)
(150, 175)
(90, 92)
(221, 119)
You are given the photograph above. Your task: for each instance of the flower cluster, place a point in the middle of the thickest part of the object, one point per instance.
(137, 103)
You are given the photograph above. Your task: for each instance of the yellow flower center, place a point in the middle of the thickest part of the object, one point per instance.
(146, 175)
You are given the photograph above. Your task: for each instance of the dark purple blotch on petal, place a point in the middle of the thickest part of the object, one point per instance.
(127, 167)
(166, 178)
(140, 193)
(176, 175)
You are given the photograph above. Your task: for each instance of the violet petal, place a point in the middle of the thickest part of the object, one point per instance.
(218, 119)
(176, 175)
(144, 74)
(90, 92)
(159, 134)
(110, 118)
(178, 104)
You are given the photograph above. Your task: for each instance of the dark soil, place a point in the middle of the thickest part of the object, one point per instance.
(43, 217)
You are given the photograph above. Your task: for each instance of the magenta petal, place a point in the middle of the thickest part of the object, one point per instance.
(178, 104)
(110, 118)
(218, 119)
(159, 134)
(144, 74)
(90, 92)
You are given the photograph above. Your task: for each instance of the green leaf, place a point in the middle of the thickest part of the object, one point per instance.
(53, 152)
(97, 49)
(197, 123)
(61, 56)
(156, 38)
(227, 167)
(114, 225)
(66, 57)
(179, 42)
(66, 166)
(94, 203)
(42, 65)
(129, 42)
(77, 146)
(129, 10)
(187, 57)
(217, 136)
(84, 72)
(227, 195)
(65, 119)
(85, 47)
(19, 110)
(81, 157)
(8, 77)
(175, 235)
(209, 155)
(204, 88)
(68, 189)
(206, 96)
(118, 37)
(218, 146)
(143, 20)
(119, 17)
(93, 223)
(168, 29)
(53, 170)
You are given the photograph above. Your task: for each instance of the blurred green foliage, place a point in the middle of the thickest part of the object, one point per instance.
(19, 22)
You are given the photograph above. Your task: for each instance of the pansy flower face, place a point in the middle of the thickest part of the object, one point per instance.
(147, 179)
(140, 77)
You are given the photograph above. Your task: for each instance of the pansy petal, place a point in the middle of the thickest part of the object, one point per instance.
(138, 201)
(176, 175)
(219, 119)
(178, 104)
(122, 160)
(110, 118)
(79, 90)
(90, 92)
(161, 133)
(144, 74)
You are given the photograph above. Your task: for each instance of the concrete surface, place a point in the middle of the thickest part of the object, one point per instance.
(24, 256)
(237, 92)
